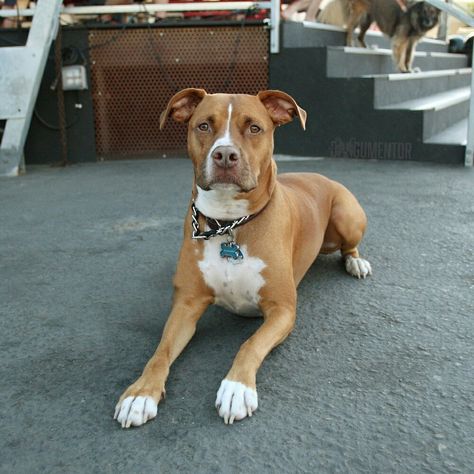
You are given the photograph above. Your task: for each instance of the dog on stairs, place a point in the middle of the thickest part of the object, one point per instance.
(249, 238)
(405, 24)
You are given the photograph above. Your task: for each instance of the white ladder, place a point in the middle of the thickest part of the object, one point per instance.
(21, 71)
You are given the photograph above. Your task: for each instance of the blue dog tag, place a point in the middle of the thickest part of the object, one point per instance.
(231, 250)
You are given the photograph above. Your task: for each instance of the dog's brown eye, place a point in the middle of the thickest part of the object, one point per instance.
(255, 129)
(204, 127)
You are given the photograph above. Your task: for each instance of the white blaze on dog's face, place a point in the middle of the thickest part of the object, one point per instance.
(230, 141)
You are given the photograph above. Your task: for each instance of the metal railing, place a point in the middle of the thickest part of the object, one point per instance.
(461, 15)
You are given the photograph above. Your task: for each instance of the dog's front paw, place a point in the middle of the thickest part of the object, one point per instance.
(139, 403)
(135, 411)
(235, 401)
(358, 267)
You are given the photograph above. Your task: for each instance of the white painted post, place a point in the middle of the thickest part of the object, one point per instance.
(469, 156)
(275, 27)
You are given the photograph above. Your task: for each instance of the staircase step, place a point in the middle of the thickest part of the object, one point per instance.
(436, 121)
(395, 88)
(438, 101)
(454, 135)
(314, 34)
(384, 114)
(345, 61)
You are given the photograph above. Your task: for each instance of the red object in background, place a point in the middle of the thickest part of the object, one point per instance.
(256, 15)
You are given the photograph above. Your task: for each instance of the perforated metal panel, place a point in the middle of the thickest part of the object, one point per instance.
(134, 72)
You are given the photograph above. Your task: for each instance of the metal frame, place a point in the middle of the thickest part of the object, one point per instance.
(461, 15)
(21, 71)
(469, 155)
(272, 5)
(219, 56)
(152, 8)
(275, 26)
(19, 85)
(453, 10)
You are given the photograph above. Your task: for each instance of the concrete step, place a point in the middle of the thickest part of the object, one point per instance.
(314, 34)
(438, 120)
(344, 61)
(378, 39)
(454, 135)
(439, 112)
(395, 88)
(347, 115)
(439, 101)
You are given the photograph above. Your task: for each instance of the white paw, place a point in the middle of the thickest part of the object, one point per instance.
(358, 267)
(235, 401)
(135, 411)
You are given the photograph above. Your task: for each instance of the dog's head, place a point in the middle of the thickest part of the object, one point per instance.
(230, 136)
(423, 16)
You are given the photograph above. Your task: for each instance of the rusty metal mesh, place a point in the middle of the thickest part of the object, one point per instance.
(134, 72)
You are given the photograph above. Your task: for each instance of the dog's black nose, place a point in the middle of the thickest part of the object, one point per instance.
(226, 156)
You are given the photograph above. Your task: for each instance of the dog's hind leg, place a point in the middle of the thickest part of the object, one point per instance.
(409, 54)
(356, 11)
(347, 226)
(351, 24)
(364, 26)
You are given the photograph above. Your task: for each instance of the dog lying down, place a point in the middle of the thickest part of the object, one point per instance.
(250, 236)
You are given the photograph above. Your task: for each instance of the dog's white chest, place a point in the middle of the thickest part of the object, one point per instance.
(236, 284)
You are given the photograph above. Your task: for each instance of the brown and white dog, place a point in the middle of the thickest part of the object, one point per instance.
(279, 226)
(404, 21)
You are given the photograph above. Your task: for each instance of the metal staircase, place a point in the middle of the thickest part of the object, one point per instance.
(21, 70)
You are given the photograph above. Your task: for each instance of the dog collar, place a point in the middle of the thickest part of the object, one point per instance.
(229, 249)
(216, 226)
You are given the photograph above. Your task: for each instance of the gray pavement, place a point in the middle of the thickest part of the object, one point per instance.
(378, 375)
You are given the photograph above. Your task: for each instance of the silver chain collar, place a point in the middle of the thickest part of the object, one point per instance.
(221, 230)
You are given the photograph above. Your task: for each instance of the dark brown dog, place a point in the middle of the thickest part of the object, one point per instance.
(405, 25)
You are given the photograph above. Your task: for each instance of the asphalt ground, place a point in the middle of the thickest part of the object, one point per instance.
(378, 375)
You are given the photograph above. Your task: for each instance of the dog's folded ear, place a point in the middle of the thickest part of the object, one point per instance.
(282, 107)
(181, 106)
